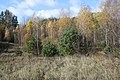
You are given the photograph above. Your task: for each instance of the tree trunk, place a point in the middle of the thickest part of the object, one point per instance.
(106, 36)
(94, 38)
(38, 52)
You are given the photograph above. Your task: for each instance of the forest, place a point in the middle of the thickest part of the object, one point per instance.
(64, 48)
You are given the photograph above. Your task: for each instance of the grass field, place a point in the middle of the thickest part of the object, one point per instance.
(76, 67)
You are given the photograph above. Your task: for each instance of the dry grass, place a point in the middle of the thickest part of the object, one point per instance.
(59, 68)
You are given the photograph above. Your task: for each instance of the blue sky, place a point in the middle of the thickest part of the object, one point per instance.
(45, 8)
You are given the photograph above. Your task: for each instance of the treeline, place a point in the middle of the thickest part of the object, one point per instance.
(88, 31)
(8, 23)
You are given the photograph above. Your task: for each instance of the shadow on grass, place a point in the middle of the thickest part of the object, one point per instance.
(5, 46)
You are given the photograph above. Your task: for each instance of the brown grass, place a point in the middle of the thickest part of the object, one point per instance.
(96, 67)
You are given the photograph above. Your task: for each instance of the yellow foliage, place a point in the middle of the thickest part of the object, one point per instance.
(85, 23)
(63, 22)
(29, 25)
(26, 37)
(6, 33)
(50, 28)
(102, 18)
(50, 24)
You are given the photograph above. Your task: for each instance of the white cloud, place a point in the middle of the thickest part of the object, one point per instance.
(2, 7)
(14, 10)
(23, 8)
(32, 3)
(48, 13)
(97, 9)
(29, 12)
(20, 12)
(27, 4)
(28, 7)
(75, 10)
(75, 3)
(75, 6)
(50, 2)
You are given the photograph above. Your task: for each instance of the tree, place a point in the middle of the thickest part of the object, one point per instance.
(64, 21)
(2, 27)
(84, 22)
(32, 47)
(67, 41)
(2, 32)
(26, 37)
(49, 49)
(37, 26)
(33, 33)
(7, 19)
(65, 13)
(86, 25)
(50, 29)
(29, 26)
(110, 22)
(28, 31)
(7, 34)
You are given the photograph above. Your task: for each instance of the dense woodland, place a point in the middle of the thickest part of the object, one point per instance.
(83, 47)
(88, 31)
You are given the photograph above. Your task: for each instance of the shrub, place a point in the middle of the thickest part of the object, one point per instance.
(103, 44)
(67, 41)
(4, 46)
(18, 52)
(49, 49)
(106, 49)
(31, 45)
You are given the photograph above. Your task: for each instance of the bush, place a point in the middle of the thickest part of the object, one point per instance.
(31, 45)
(102, 44)
(49, 49)
(67, 41)
(106, 49)
(4, 46)
(18, 52)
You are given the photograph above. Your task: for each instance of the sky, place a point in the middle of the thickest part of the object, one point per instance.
(45, 8)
